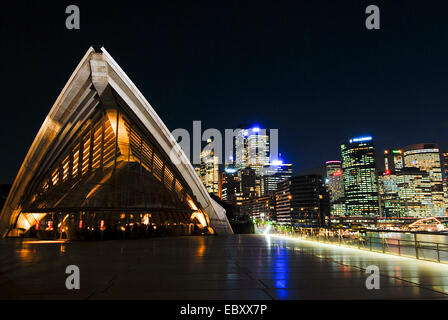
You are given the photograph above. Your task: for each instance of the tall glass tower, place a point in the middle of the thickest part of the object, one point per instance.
(335, 185)
(426, 157)
(360, 180)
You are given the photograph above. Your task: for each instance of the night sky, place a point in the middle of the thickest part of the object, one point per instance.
(309, 68)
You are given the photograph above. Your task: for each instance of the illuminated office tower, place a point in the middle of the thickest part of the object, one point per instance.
(257, 149)
(209, 173)
(229, 184)
(261, 208)
(445, 173)
(248, 179)
(445, 164)
(388, 191)
(414, 192)
(252, 149)
(335, 185)
(426, 157)
(360, 181)
(393, 160)
(388, 183)
(241, 149)
(272, 174)
(302, 201)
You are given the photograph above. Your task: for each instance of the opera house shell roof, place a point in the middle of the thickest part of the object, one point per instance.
(102, 148)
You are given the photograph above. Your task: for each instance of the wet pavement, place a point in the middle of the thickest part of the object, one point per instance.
(221, 267)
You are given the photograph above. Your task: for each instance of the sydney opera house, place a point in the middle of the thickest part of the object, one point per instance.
(103, 160)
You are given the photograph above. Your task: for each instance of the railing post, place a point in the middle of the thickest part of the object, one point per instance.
(416, 245)
(399, 248)
(382, 242)
(359, 239)
(370, 243)
(438, 253)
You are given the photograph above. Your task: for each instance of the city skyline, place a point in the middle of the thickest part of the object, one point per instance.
(330, 82)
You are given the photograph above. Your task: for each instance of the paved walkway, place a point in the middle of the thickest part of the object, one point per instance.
(223, 267)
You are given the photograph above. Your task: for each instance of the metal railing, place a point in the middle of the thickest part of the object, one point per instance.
(422, 250)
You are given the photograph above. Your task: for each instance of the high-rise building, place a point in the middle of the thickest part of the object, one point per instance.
(247, 177)
(360, 180)
(302, 200)
(445, 175)
(335, 185)
(426, 157)
(388, 191)
(445, 165)
(209, 172)
(262, 208)
(393, 160)
(414, 193)
(252, 149)
(272, 174)
(230, 184)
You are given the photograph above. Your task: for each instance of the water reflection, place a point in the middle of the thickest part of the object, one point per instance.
(280, 268)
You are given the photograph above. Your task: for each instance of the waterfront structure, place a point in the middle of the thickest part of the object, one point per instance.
(303, 201)
(360, 179)
(104, 159)
(209, 169)
(426, 157)
(335, 185)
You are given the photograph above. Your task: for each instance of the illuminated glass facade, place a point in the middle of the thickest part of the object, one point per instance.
(388, 189)
(335, 185)
(393, 160)
(252, 149)
(360, 180)
(302, 201)
(426, 157)
(414, 193)
(272, 174)
(209, 169)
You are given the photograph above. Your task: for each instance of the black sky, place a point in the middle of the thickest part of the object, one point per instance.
(309, 68)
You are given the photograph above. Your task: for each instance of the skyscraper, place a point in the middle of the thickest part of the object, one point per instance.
(335, 185)
(247, 177)
(272, 174)
(252, 149)
(393, 160)
(388, 191)
(230, 184)
(414, 192)
(360, 181)
(302, 200)
(209, 173)
(426, 157)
